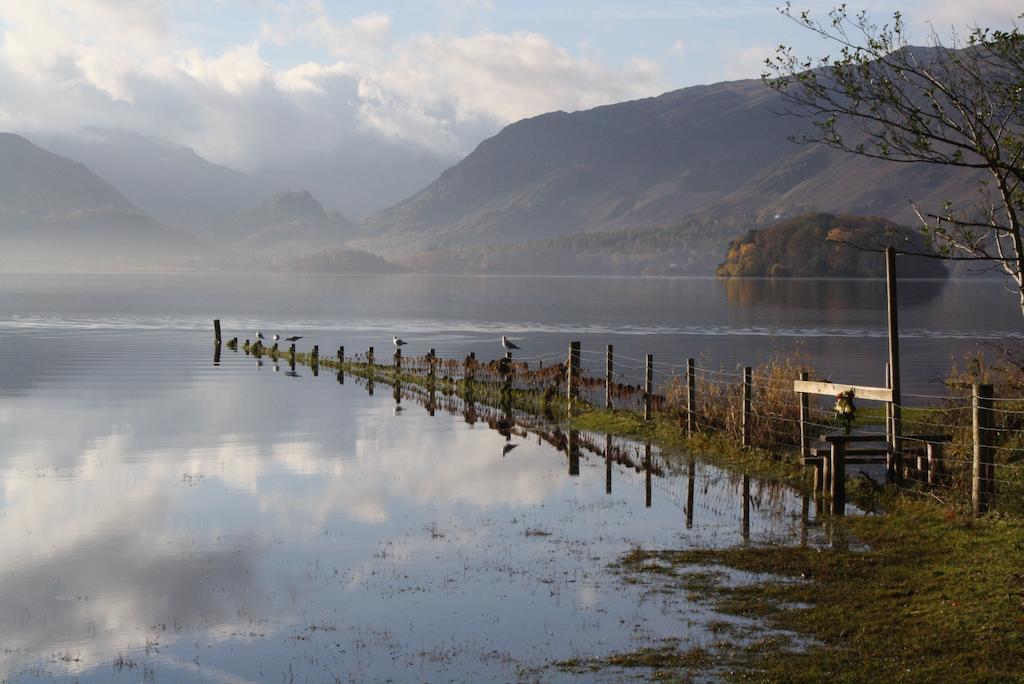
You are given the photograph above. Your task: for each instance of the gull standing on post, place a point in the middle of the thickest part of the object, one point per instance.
(397, 342)
(508, 344)
(275, 337)
(259, 336)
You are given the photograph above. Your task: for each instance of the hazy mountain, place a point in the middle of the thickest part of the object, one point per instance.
(716, 151)
(289, 222)
(54, 211)
(170, 182)
(361, 176)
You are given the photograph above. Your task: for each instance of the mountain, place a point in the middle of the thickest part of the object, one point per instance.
(364, 175)
(715, 151)
(167, 181)
(290, 222)
(827, 245)
(54, 211)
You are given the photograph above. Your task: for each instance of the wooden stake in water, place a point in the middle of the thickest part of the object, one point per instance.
(341, 354)
(216, 330)
(608, 463)
(398, 360)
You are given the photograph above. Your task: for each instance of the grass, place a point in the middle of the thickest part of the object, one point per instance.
(939, 596)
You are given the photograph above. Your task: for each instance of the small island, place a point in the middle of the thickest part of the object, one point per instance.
(828, 245)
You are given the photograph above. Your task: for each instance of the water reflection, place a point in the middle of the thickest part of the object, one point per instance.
(826, 294)
(295, 528)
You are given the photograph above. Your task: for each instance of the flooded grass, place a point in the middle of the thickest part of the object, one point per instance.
(936, 596)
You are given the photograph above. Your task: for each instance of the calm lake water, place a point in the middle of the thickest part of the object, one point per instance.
(169, 519)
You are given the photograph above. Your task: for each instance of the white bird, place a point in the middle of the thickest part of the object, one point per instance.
(293, 338)
(275, 337)
(397, 342)
(508, 344)
(259, 336)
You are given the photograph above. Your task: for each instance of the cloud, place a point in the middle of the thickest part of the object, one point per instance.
(62, 67)
(961, 15)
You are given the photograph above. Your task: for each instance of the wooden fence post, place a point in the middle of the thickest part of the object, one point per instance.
(398, 360)
(341, 354)
(572, 390)
(747, 387)
(805, 414)
(216, 330)
(982, 485)
(369, 356)
(691, 397)
(838, 456)
(894, 360)
(648, 385)
(431, 368)
(608, 376)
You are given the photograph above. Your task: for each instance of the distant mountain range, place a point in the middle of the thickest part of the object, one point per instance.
(653, 186)
(169, 182)
(711, 152)
(56, 212)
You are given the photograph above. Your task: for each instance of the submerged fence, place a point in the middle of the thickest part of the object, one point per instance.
(965, 445)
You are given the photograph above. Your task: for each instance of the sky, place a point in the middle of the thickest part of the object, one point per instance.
(252, 83)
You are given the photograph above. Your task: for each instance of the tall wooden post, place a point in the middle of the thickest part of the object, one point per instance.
(805, 414)
(573, 373)
(691, 396)
(894, 358)
(291, 356)
(398, 360)
(315, 361)
(341, 354)
(609, 366)
(747, 388)
(431, 368)
(369, 356)
(983, 471)
(648, 385)
(216, 330)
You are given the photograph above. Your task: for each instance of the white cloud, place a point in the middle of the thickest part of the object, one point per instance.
(72, 63)
(748, 62)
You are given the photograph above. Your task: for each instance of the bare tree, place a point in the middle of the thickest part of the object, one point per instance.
(957, 105)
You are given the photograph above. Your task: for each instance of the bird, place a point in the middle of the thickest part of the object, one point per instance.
(275, 337)
(397, 342)
(508, 344)
(293, 338)
(259, 336)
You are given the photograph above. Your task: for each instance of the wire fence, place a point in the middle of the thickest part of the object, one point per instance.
(966, 446)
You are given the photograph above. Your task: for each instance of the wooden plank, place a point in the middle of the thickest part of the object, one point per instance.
(834, 388)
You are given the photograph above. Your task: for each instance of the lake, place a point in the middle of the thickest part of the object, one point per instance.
(166, 518)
